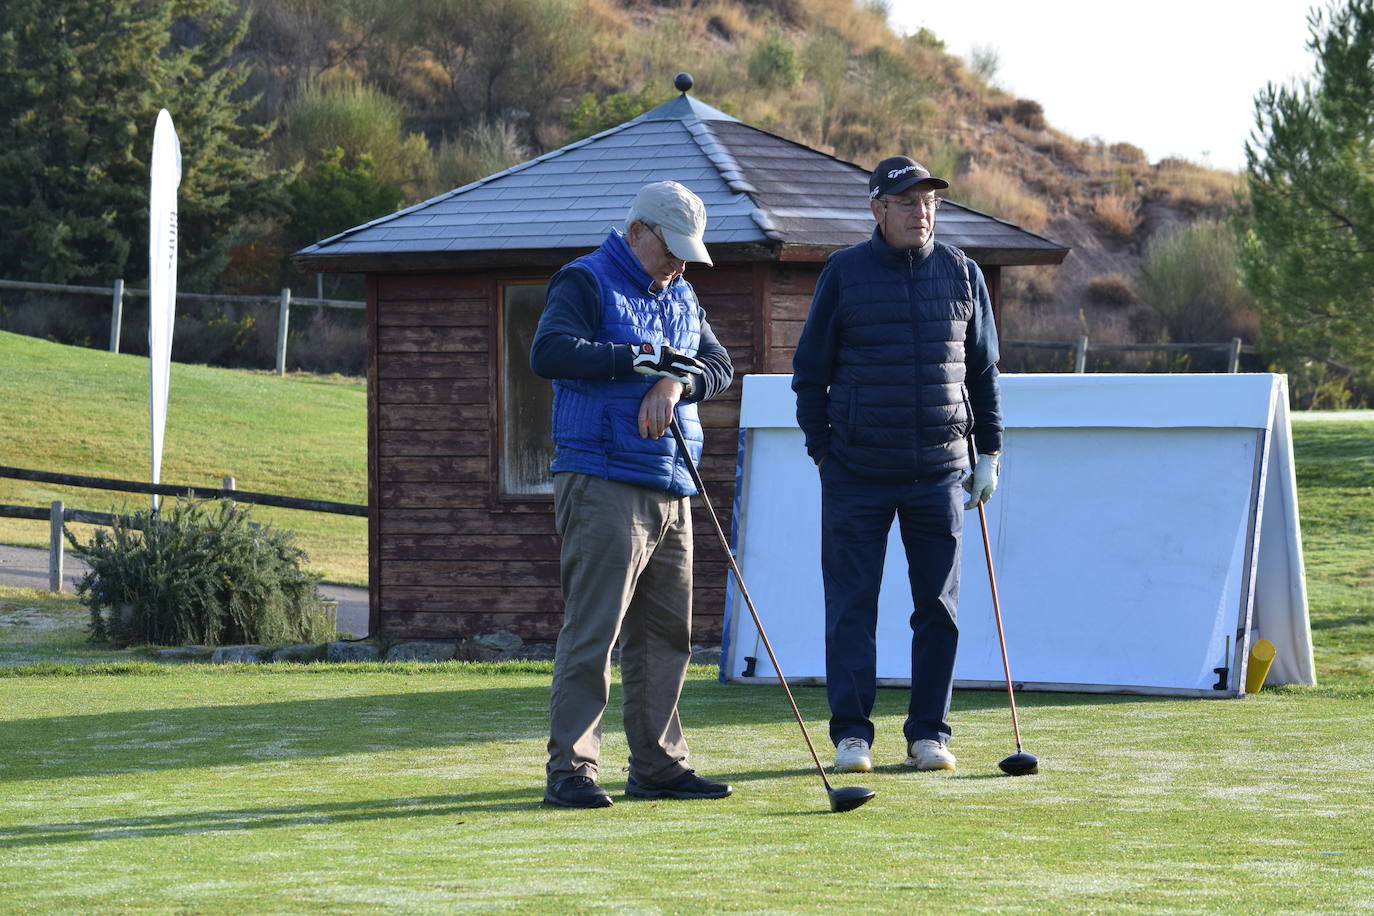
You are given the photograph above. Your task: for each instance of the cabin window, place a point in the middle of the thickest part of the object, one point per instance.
(526, 399)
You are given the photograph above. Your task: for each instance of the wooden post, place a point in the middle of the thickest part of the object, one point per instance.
(116, 315)
(1080, 356)
(283, 315)
(55, 517)
(1233, 363)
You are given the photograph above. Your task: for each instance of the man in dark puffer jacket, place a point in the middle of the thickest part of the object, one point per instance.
(896, 366)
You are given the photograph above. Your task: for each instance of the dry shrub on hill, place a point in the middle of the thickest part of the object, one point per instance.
(996, 192)
(1117, 214)
(1112, 290)
(1189, 185)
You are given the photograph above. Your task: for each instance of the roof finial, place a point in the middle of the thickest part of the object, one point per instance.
(683, 82)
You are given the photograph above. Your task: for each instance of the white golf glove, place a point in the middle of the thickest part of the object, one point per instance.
(982, 483)
(661, 359)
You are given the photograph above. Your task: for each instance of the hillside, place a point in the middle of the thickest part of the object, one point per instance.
(357, 109)
(831, 74)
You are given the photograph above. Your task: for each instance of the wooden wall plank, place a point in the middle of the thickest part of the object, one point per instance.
(433, 339)
(435, 416)
(416, 443)
(425, 313)
(470, 522)
(491, 573)
(443, 285)
(438, 469)
(433, 391)
(466, 547)
(435, 365)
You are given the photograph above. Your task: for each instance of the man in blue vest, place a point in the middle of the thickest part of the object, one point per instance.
(896, 367)
(628, 346)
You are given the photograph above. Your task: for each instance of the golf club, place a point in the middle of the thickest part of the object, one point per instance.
(845, 798)
(1020, 763)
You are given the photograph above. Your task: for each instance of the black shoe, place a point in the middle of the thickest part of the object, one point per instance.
(577, 792)
(688, 785)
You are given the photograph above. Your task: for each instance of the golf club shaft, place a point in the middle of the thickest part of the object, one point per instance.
(749, 602)
(997, 613)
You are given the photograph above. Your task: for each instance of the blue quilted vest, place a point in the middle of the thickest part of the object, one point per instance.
(595, 423)
(898, 407)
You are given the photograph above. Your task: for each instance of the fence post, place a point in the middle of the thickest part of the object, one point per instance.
(230, 484)
(55, 516)
(1233, 363)
(116, 315)
(283, 314)
(1080, 355)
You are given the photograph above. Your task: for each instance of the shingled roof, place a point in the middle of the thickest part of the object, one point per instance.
(767, 198)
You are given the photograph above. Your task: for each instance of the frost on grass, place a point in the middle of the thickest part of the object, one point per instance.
(32, 619)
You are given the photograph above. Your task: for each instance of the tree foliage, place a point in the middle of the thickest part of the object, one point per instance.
(83, 84)
(1190, 282)
(360, 120)
(1308, 250)
(591, 115)
(338, 194)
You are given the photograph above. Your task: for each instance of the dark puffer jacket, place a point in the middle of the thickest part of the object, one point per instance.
(897, 362)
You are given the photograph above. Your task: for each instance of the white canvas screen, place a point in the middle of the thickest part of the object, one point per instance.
(1124, 547)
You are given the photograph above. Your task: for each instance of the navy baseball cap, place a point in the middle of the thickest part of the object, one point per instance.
(897, 173)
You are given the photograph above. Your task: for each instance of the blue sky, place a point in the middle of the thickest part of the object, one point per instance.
(1173, 77)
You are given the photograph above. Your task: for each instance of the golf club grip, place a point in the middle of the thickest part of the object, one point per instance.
(744, 591)
(996, 604)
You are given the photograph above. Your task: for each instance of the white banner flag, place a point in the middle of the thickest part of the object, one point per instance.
(162, 275)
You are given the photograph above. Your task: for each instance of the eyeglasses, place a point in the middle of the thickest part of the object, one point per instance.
(653, 230)
(907, 204)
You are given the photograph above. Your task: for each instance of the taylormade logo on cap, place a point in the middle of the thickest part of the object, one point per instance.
(897, 173)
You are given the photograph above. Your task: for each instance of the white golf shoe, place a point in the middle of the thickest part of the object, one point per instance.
(852, 756)
(929, 754)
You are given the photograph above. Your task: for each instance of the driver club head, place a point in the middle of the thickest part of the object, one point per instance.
(1019, 764)
(847, 798)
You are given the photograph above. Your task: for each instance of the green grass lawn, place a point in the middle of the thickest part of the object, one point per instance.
(79, 411)
(415, 789)
(133, 787)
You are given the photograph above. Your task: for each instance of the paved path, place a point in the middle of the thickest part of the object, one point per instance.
(25, 567)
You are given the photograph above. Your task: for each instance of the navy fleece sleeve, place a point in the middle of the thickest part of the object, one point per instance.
(565, 345)
(980, 358)
(814, 364)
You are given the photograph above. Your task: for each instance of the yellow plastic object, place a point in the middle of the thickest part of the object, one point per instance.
(1261, 657)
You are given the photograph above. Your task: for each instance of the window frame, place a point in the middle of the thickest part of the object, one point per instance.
(501, 397)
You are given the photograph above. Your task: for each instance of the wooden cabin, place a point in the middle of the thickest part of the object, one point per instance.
(460, 532)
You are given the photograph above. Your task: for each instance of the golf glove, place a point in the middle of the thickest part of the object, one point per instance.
(661, 359)
(983, 481)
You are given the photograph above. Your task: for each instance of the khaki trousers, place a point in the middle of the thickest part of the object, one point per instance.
(627, 574)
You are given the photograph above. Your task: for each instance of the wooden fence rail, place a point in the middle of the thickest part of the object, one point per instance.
(118, 291)
(167, 489)
(58, 513)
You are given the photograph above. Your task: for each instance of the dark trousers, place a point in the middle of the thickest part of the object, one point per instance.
(856, 516)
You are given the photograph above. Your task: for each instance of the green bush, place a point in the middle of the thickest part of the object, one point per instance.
(199, 573)
(1190, 282)
(774, 62)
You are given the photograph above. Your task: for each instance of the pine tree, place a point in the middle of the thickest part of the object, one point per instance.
(1308, 251)
(84, 80)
